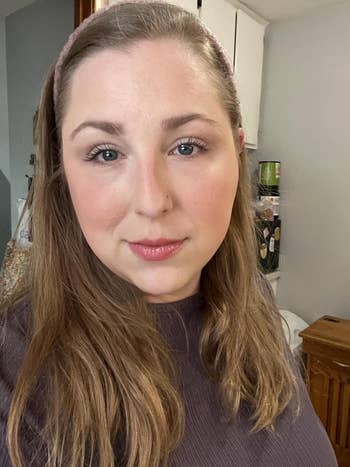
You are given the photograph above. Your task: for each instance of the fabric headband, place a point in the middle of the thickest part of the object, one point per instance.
(223, 55)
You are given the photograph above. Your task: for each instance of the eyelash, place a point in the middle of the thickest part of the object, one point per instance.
(191, 141)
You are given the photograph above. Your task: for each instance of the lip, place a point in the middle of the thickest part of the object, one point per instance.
(156, 252)
(157, 242)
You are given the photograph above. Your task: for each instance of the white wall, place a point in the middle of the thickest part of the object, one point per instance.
(305, 124)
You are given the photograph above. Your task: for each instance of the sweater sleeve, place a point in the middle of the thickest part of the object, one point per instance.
(308, 429)
(12, 348)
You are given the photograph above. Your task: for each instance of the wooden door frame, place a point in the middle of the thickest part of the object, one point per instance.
(84, 8)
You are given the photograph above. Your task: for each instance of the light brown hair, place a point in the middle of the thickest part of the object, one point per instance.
(93, 340)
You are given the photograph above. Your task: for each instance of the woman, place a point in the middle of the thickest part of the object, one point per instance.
(146, 335)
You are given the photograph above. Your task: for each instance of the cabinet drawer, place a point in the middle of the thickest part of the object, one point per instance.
(328, 383)
(326, 351)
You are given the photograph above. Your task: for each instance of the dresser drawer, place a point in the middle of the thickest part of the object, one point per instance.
(326, 343)
(328, 383)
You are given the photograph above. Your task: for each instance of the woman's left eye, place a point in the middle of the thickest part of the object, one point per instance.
(108, 153)
(184, 145)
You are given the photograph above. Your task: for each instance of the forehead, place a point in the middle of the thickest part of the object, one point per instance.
(151, 77)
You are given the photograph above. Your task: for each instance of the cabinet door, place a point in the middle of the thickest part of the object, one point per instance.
(190, 5)
(329, 388)
(248, 70)
(220, 17)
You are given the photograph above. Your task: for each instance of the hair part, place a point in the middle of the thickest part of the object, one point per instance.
(92, 336)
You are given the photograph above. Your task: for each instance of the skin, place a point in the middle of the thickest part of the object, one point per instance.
(147, 185)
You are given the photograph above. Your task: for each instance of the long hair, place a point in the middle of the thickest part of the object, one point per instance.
(105, 367)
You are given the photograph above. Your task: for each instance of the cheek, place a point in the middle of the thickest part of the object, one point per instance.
(213, 197)
(97, 204)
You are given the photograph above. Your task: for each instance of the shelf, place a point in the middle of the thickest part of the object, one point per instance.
(271, 276)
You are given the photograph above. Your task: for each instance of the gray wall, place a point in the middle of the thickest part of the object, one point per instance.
(4, 128)
(5, 215)
(34, 37)
(305, 124)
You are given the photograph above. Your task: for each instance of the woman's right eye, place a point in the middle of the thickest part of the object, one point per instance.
(107, 154)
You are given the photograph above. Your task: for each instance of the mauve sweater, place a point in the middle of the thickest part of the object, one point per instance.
(209, 441)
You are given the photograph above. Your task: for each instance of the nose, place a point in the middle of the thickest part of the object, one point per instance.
(152, 196)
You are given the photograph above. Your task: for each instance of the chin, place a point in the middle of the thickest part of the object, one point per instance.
(166, 288)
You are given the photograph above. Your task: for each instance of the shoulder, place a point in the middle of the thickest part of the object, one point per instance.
(14, 325)
(265, 286)
(13, 340)
(308, 441)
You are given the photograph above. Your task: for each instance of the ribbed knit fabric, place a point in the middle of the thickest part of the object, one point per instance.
(209, 441)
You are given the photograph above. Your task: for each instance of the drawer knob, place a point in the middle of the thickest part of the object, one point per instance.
(330, 318)
(341, 364)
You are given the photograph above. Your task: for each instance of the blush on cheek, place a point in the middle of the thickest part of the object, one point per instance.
(217, 200)
(97, 207)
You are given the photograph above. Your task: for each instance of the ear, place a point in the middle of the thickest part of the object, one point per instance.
(241, 140)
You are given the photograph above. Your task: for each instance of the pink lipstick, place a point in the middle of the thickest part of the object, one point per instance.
(156, 250)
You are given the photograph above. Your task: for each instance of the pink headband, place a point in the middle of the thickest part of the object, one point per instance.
(224, 58)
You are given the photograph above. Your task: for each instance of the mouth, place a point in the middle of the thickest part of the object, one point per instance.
(156, 250)
(156, 242)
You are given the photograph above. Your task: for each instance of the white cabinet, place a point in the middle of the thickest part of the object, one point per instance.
(242, 36)
(220, 17)
(248, 72)
(190, 5)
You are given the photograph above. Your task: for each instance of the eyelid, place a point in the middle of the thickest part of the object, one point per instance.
(192, 140)
(96, 149)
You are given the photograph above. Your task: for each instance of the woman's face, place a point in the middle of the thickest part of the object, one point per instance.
(155, 175)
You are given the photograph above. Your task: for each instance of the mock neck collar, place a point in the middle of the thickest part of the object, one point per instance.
(193, 301)
(179, 319)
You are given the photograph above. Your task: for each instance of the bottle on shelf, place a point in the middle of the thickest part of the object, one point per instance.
(268, 222)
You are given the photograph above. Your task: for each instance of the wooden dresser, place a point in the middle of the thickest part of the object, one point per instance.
(326, 348)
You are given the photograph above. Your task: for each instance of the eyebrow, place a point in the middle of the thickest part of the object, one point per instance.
(117, 129)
